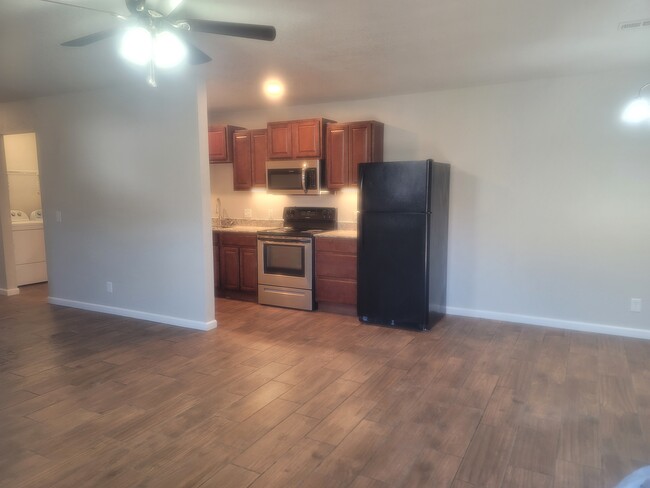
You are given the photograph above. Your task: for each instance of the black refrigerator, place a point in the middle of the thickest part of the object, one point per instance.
(402, 244)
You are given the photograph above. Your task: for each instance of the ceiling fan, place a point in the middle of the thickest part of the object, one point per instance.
(161, 39)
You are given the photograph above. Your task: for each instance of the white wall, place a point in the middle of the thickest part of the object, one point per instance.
(127, 168)
(550, 200)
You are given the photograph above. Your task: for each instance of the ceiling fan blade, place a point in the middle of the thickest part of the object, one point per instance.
(114, 14)
(195, 55)
(250, 31)
(89, 39)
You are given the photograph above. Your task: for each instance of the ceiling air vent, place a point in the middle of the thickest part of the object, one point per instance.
(634, 24)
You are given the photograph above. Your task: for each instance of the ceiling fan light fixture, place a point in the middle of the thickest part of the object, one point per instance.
(136, 45)
(169, 50)
(638, 110)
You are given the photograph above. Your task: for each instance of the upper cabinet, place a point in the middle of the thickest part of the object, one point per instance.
(249, 159)
(348, 145)
(220, 141)
(296, 139)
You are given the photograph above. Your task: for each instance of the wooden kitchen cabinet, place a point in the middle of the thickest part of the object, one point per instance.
(259, 156)
(248, 269)
(238, 265)
(220, 143)
(297, 139)
(229, 262)
(249, 159)
(215, 261)
(279, 140)
(348, 145)
(336, 274)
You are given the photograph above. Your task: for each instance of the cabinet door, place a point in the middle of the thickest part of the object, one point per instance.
(242, 170)
(248, 271)
(336, 291)
(258, 156)
(229, 264)
(306, 137)
(215, 258)
(360, 148)
(337, 156)
(217, 144)
(279, 140)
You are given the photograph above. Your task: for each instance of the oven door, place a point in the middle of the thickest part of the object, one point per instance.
(285, 261)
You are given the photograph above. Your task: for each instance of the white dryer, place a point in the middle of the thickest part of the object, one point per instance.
(29, 249)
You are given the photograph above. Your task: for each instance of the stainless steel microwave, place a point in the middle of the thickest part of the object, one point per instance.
(294, 177)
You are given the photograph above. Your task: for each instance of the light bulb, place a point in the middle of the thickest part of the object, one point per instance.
(169, 50)
(137, 45)
(637, 111)
(273, 89)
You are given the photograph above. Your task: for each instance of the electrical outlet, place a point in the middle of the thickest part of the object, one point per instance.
(635, 304)
(248, 213)
(109, 286)
(59, 217)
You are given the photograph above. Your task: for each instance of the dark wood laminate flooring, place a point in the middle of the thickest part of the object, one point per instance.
(284, 398)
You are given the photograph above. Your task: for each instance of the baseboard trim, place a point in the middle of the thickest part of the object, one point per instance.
(135, 314)
(9, 292)
(554, 323)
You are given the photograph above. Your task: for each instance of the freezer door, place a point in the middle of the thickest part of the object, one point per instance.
(394, 187)
(393, 269)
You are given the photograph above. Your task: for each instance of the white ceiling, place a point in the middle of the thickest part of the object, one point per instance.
(334, 49)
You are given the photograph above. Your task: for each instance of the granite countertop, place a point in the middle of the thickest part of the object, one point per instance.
(343, 234)
(241, 228)
(339, 233)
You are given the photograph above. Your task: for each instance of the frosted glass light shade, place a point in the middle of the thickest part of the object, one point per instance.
(139, 46)
(169, 50)
(136, 46)
(637, 111)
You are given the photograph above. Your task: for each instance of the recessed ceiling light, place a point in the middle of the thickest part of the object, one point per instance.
(274, 89)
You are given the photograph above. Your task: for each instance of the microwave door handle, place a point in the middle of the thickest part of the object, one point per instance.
(303, 178)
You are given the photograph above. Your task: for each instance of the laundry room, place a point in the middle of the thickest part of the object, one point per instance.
(23, 183)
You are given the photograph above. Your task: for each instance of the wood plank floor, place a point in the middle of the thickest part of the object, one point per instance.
(284, 398)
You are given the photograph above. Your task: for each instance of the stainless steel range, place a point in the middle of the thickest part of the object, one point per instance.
(286, 257)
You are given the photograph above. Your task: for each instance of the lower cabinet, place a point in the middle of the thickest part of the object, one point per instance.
(215, 261)
(238, 265)
(336, 273)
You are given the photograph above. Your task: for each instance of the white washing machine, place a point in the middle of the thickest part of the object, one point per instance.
(29, 249)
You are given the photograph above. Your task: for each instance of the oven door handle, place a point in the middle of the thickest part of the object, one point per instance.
(303, 178)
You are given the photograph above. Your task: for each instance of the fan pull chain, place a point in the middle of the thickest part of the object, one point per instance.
(152, 74)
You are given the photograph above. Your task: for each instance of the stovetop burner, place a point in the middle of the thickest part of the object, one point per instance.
(290, 231)
(304, 222)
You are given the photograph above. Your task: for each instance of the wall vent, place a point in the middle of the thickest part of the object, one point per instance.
(634, 24)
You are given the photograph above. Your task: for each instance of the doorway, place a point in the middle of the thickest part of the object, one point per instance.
(26, 263)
